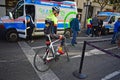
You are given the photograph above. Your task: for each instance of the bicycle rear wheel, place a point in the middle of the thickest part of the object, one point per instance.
(65, 49)
(41, 62)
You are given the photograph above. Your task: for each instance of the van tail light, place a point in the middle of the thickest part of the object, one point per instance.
(2, 26)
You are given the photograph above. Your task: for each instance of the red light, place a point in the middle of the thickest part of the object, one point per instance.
(1, 26)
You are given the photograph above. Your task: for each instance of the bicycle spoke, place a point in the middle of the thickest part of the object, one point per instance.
(39, 63)
(66, 52)
(43, 62)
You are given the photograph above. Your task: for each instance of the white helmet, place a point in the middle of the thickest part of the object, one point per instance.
(55, 8)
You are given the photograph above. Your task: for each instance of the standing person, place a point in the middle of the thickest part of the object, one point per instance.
(75, 27)
(51, 23)
(94, 26)
(89, 26)
(100, 24)
(116, 30)
(30, 27)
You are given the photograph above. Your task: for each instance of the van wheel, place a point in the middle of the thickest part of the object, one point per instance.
(67, 33)
(12, 36)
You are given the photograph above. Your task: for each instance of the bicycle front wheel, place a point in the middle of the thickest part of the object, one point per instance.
(39, 63)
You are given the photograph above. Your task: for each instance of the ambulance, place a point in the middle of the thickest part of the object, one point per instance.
(109, 19)
(14, 25)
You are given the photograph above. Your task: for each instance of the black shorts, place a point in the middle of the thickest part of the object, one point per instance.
(99, 29)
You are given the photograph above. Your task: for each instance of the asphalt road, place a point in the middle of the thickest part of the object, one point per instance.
(16, 61)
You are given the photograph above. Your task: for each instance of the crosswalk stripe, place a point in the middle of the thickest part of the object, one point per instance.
(29, 52)
(92, 52)
(111, 75)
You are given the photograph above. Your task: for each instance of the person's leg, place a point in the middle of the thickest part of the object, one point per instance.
(92, 31)
(74, 38)
(96, 30)
(88, 31)
(99, 31)
(113, 41)
(30, 35)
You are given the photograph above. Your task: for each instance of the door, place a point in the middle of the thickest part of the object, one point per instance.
(111, 22)
(19, 21)
(30, 10)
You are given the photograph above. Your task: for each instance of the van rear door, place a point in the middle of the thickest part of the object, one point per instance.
(111, 23)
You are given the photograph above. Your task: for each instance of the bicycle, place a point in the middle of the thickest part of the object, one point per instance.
(42, 62)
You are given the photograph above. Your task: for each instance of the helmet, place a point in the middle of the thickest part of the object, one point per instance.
(57, 9)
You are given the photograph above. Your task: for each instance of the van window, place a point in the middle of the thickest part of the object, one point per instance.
(30, 9)
(104, 18)
(112, 19)
(18, 12)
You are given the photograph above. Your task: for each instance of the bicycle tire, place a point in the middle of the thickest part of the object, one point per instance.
(66, 52)
(41, 64)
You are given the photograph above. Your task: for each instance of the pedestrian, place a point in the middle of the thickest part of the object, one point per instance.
(116, 30)
(94, 26)
(100, 24)
(75, 27)
(30, 27)
(89, 26)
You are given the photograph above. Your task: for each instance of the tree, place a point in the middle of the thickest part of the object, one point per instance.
(102, 3)
(116, 5)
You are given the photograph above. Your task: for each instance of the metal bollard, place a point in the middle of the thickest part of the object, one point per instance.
(79, 74)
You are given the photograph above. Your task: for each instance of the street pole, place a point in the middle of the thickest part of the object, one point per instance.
(86, 13)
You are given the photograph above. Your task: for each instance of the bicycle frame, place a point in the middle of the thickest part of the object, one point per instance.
(51, 43)
(51, 47)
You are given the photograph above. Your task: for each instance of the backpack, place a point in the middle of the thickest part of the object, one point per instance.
(48, 26)
(71, 23)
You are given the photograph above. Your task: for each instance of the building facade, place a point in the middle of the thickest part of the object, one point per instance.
(2, 8)
(6, 6)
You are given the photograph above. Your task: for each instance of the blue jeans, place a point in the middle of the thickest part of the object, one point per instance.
(88, 31)
(74, 37)
(115, 34)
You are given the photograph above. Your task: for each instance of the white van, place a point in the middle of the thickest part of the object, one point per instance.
(15, 27)
(109, 18)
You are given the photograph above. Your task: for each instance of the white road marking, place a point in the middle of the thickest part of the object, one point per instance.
(38, 47)
(29, 52)
(92, 52)
(89, 53)
(81, 42)
(111, 75)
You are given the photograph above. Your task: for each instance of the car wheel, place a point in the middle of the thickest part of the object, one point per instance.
(12, 36)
